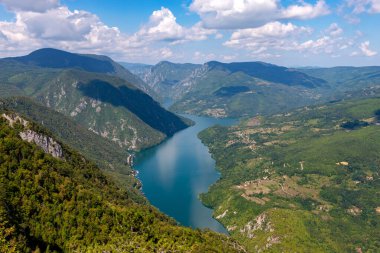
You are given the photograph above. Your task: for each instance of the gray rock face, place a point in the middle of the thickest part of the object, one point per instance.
(48, 144)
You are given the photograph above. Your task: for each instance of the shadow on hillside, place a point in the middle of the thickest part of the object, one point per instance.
(137, 102)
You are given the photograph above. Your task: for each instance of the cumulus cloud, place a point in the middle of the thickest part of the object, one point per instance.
(238, 14)
(61, 28)
(364, 47)
(360, 6)
(275, 37)
(49, 24)
(306, 11)
(30, 5)
(162, 26)
(272, 35)
(59, 24)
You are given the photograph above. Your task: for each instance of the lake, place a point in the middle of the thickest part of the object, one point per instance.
(175, 172)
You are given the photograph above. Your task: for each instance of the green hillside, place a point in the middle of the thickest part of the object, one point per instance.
(61, 202)
(240, 89)
(166, 78)
(107, 105)
(255, 96)
(110, 158)
(302, 181)
(58, 59)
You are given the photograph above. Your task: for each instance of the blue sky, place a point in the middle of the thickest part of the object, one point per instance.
(287, 32)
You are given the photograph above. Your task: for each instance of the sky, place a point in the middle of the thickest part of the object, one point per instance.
(285, 32)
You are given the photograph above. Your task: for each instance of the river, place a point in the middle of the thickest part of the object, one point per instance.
(175, 172)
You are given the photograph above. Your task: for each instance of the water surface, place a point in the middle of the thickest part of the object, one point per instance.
(175, 172)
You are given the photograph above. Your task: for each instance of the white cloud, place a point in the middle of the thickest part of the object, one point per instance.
(30, 5)
(375, 6)
(81, 31)
(166, 53)
(273, 35)
(361, 6)
(306, 11)
(232, 14)
(364, 47)
(59, 23)
(162, 26)
(60, 28)
(334, 30)
(273, 38)
(274, 29)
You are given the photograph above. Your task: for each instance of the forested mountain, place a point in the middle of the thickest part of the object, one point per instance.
(52, 199)
(167, 79)
(91, 90)
(54, 58)
(302, 181)
(113, 160)
(248, 88)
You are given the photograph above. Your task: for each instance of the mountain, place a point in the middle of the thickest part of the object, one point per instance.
(53, 199)
(113, 160)
(105, 104)
(230, 89)
(242, 89)
(306, 180)
(165, 78)
(269, 72)
(58, 59)
(136, 68)
(348, 79)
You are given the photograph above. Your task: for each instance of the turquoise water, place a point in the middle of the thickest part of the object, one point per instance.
(175, 172)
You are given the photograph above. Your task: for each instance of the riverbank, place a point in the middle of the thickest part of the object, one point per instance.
(177, 171)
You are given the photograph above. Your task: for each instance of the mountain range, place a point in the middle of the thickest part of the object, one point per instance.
(54, 199)
(299, 173)
(249, 88)
(93, 90)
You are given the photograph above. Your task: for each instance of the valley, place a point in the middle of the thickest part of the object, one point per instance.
(281, 160)
(174, 173)
(197, 126)
(292, 181)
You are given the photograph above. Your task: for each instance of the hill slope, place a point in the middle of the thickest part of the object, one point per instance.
(165, 78)
(106, 104)
(306, 179)
(241, 89)
(58, 59)
(113, 160)
(53, 199)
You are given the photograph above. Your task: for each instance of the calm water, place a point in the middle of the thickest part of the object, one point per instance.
(177, 171)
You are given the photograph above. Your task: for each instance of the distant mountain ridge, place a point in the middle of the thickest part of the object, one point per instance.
(58, 59)
(270, 72)
(240, 89)
(165, 78)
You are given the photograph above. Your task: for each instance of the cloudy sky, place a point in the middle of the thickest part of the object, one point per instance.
(285, 32)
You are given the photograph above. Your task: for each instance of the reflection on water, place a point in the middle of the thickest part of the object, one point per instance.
(177, 171)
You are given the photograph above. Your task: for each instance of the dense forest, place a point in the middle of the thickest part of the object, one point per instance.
(303, 181)
(67, 204)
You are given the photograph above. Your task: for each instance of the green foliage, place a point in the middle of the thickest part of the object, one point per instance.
(105, 101)
(321, 182)
(354, 124)
(165, 77)
(108, 156)
(68, 205)
(271, 89)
